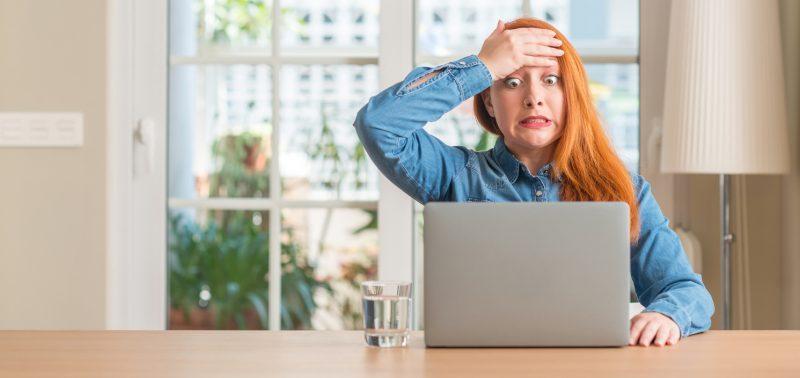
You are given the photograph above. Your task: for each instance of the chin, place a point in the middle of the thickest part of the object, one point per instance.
(536, 143)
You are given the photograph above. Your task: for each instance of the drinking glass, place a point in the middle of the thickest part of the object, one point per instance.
(387, 310)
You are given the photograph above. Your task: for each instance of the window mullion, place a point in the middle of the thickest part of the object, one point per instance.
(275, 180)
(395, 208)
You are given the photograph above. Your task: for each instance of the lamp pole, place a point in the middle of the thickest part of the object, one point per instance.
(727, 240)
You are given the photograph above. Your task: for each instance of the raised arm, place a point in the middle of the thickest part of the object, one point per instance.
(391, 124)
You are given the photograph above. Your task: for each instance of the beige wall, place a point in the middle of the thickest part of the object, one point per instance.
(764, 242)
(52, 200)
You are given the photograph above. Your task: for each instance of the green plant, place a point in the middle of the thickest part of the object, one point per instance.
(221, 264)
(241, 171)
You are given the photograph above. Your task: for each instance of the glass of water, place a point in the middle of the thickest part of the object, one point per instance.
(387, 312)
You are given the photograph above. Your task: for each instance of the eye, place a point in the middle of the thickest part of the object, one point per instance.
(551, 80)
(513, 82)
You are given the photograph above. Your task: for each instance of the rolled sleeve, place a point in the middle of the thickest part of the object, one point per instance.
(661, 273)
(391, 127)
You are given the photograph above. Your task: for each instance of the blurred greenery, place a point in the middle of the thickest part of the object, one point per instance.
(221, 264)
(244, 22)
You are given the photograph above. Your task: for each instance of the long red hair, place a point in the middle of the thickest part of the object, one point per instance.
(584, 156)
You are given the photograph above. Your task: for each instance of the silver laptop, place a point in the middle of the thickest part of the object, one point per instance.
(523, 274)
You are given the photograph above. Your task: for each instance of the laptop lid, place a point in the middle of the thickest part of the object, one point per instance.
(526, 274)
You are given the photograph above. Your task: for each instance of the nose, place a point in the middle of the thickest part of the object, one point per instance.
(530, 100)
(534, 96)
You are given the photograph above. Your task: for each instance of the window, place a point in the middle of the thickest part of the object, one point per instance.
(272, 200)
(273, 204)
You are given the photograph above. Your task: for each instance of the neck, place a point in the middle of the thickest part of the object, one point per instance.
(533, 158)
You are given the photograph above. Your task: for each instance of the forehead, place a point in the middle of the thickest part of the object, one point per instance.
(537, 70)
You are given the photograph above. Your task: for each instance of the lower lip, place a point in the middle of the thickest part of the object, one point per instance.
(536, 125)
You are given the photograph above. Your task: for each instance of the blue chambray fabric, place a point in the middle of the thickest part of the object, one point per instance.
(391, 125)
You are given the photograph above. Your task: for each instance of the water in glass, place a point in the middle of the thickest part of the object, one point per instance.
(386, 320)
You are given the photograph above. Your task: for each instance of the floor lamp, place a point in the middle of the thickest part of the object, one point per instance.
(724, 104)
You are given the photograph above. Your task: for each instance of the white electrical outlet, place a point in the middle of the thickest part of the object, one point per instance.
(41, 129)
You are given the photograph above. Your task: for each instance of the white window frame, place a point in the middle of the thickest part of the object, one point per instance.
(137, 202)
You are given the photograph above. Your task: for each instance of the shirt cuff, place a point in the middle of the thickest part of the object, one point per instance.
(677, 314)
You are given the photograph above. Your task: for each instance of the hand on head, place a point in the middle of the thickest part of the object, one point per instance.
(505, 51)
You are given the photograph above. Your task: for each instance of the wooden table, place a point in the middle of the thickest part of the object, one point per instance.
(344, 354)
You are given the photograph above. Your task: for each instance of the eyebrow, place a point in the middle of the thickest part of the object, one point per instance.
(555, 70)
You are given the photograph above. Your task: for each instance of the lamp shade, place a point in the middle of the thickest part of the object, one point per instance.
(724, 104)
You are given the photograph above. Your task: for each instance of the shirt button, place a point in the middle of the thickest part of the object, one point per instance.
(462, 63)
(538, 193)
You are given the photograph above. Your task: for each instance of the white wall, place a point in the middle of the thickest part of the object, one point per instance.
(52, 200)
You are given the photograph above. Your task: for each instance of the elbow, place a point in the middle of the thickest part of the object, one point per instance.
(368, 122)
(360, 122)
(365, 126)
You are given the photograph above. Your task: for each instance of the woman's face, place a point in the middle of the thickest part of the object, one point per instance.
(528, 106)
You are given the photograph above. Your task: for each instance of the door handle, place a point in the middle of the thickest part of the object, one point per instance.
(144, 144)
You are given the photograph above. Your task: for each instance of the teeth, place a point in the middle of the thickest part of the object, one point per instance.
(538, 120)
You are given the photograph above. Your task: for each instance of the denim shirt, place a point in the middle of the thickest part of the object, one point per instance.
(391, 125)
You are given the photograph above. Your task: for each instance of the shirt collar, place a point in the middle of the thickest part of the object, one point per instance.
(511, 166)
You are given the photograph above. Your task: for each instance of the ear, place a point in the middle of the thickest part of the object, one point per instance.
(487, 102)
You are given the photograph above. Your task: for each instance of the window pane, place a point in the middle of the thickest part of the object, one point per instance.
(205, 27)
(321, 156)
(599, 26)
(332, 26)
(615, 88)
(458, 27)
(219, 131)
(332, 252)
(218, 264)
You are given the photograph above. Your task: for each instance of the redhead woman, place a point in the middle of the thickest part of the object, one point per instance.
(531, 90)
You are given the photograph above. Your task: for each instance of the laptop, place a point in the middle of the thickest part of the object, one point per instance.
(526, 274)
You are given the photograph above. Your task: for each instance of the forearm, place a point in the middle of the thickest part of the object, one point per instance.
(391, 126)
(424, 96)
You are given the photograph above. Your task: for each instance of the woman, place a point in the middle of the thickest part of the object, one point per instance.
(530, 89)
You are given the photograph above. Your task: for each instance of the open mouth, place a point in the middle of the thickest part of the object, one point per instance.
(535, 122)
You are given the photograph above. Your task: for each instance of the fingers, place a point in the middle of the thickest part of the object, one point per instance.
(539, 50)
(537, 36)
(537, 61)
(533, 31)
(534, 39)
(500, 26)
(662, 335)
(555, 42)
(674, 336)
(649, 333)
(636, 328)
(653, 328)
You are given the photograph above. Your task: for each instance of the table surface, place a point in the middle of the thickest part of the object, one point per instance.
(344, 354)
